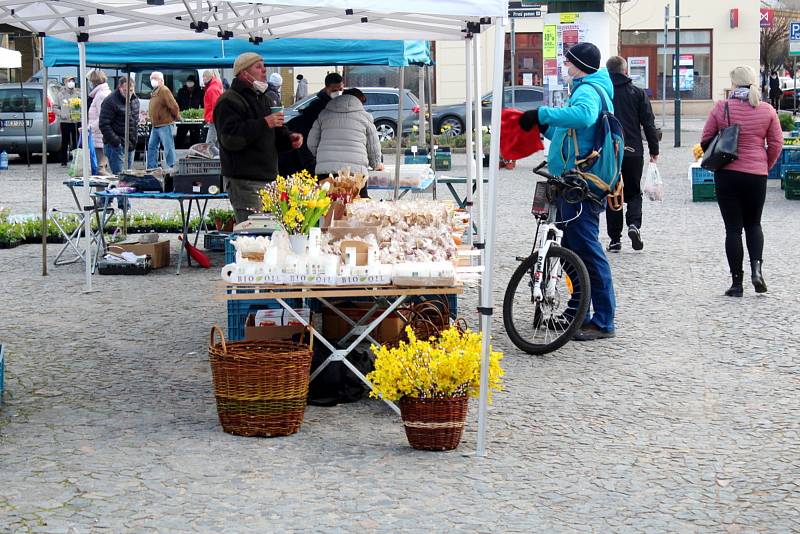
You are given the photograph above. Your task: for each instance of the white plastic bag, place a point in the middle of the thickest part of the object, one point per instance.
(653, 185)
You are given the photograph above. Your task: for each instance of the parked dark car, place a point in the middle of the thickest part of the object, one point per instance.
(21, 107)
(452, 118)
(787, 99)
(382, 103)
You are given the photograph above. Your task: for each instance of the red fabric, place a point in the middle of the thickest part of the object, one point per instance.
(196, 254)
(213, 90)
(516, 143)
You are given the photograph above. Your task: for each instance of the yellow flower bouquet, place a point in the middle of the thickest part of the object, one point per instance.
(441, 367)
(297, 201)
(75, 108)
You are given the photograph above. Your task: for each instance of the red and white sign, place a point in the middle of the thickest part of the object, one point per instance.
(735, 17)
(767, 17)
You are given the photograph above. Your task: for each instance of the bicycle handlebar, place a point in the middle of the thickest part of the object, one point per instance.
(538, 170)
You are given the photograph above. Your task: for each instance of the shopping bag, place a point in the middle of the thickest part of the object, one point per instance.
(653, 185)
(76, 165)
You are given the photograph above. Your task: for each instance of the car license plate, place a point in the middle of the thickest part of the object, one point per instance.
(16, 123)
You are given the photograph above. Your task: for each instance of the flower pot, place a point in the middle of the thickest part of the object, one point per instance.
(228, 226)
(298, 243)
(434, 424)
(218, 224)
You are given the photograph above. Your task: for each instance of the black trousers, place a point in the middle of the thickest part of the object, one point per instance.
(740, 197)
(632, 196)
(69, 139)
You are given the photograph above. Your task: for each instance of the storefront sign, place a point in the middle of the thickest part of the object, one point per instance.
(524, 10)
(767, 17)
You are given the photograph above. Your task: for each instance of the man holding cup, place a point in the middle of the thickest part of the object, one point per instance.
(251, 132)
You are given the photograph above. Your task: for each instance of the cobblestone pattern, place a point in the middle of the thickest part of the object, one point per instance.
(686, 422)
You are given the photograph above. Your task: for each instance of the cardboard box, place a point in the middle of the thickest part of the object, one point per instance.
(158, 251)
(255, 333)
(334, 327)
(361, 248)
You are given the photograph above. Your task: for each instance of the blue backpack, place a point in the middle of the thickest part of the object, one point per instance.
(602, 166)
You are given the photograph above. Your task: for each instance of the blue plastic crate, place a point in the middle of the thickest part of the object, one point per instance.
(790, 155)
(230, 251)
(702, 176)
(411, 159)
(238, 310)
(775, 171)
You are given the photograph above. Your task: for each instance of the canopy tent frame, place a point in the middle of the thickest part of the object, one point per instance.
(428, 19)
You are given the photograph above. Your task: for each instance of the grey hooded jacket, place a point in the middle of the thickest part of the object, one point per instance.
(344, 136)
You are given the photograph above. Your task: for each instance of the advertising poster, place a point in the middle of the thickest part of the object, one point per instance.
(686, 72)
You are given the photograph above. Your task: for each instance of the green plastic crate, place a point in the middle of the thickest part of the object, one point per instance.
(703, 192)
(791, 185)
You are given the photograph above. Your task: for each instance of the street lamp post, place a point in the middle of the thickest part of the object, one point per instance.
(676, 73)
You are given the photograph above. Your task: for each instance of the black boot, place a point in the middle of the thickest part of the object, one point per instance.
(757, 277)
(736, 289)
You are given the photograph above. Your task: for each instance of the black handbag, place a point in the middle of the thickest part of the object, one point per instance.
(724, 148)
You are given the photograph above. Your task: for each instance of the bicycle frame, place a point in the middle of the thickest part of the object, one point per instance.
(552, 236)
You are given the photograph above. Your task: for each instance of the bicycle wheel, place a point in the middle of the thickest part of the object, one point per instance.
(542, 327)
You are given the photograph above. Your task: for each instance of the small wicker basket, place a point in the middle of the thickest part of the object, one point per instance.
(260, 386)
(434, 424)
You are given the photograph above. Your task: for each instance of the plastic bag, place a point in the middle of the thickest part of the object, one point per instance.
(93, 167)
(75, 169)
(653, 185)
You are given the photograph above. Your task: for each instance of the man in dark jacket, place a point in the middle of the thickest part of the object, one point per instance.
(190, 96)
(633, 109)
(250, 136)
(297, 160)
(112, 126)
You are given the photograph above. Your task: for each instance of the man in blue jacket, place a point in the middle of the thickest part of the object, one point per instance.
(582, 235)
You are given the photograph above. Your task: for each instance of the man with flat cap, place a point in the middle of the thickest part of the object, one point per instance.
(250, 135)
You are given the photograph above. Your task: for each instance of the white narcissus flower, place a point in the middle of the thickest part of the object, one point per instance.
(326, 186)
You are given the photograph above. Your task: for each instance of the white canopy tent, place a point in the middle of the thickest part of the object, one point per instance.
(10, 59)
(258, 20)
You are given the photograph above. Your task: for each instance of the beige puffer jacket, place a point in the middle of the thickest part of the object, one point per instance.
(344, 136)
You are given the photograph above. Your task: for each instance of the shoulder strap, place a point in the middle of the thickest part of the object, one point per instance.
(727, 113)
(601, 94)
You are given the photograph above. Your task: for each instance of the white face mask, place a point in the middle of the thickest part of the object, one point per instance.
(259, 86)
(189, 84)
(336, 94)
(70, 85)
(154, 83)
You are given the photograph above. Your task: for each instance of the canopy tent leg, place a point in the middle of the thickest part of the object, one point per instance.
(45, 125)
(398, 134)
(422, 101)
(487, 299)
(470, 136)
(87, 199)
(476, 47)
(127, 121)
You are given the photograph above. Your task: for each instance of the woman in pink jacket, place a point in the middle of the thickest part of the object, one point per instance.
(742, 185)
(99, 93)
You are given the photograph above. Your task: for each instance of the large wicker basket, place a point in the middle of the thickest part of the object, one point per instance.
(434, 424)
(260, 386)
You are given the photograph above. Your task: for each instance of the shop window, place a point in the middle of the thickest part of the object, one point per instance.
(528, 69)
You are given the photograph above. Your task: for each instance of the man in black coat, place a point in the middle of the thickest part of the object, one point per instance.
(112, 126)
(633, 109)
(190, 96)
(297, 160)
(250, 135)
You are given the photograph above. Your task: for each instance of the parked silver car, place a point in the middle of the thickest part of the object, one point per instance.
(382, 103)
(451, 119)
(13, 101)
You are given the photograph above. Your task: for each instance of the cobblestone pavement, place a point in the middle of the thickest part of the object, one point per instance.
(686, 422)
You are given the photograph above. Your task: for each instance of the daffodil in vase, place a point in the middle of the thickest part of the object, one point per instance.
(433, 380)
(298, 202)
(75, 109)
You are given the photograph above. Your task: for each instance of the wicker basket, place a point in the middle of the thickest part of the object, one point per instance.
(434, 424)
(260, 386)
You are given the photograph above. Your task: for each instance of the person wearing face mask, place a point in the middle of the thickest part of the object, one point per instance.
(589, 84)
(274, 87)
(112, 125)
(190, 96)
(775, 90)
(69, 126)
(98, 94)
(298, 160)
(164, 113)
(250, 135)
(210, 97)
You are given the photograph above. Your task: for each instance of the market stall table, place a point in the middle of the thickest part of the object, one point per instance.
(201, 200)
(392, 296)
(424, 185)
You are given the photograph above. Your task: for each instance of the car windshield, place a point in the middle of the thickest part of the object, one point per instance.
(16, 101)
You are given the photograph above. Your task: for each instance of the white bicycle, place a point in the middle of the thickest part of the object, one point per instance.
(548, 295)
